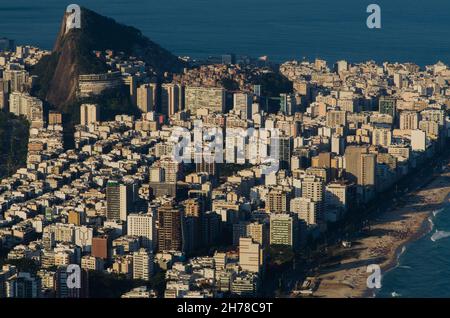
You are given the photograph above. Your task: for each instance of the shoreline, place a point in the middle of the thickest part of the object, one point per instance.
(424, 230)
(385, 242)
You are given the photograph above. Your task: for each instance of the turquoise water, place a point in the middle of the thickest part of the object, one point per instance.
(412, 30)
(424, 266)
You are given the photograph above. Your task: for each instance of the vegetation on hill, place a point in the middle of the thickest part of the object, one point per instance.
(23, 265)
(230, 84)
(14, 134)
(73, 55)
(272, 85)
(111, 103)
(102, 285)
(280, 255)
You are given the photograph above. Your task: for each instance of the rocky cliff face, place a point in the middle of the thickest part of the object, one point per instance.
(73, 55)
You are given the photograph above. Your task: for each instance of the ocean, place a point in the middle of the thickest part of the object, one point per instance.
(412, 30)
(423, 268)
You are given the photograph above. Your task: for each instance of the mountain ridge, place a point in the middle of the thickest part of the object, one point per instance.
(73, 56)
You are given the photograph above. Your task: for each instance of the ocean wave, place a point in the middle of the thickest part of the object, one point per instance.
(395, 295)
(439, 235)
(435, 213)
(405, 267)
(402, 251)
(431, 222)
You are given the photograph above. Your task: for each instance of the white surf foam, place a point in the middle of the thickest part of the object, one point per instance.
(431, 222)
(395, 295)
(405, 267)
(439, 235)
(435, 213)
(403, 251)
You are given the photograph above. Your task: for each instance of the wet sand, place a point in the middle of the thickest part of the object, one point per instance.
(383, 243)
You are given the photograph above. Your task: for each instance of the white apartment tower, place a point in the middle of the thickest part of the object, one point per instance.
(142, 225)
(250, 258)
(142, 264)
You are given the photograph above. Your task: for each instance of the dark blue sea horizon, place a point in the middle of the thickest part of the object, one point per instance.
(412, 30)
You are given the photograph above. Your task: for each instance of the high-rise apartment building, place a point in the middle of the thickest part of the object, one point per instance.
(353, 162)
(387, 106)
(282, 150)
(341, 66)
(307, 210)
(288, 104)
(336, 118)
(313, 188)
(220, 260)
(337, 144)
(118, 201)
(23, 285)
(431, 128)
(63, 279)
(147, 97)
(336, 196)
(170, 228)
(143, 264)
(368, 169)
(91, 263)
(76, 218)
(172, 98)
(382, 137)
(418, 140)
(284, 229)
(142, 225)
(89, 114)
(409, 120)
(277, 201)
(6, 272)
(101, 247)
(17, 79)
(54, 118)
(242, 103)
(398, 80)
(22, 104)
(166, 170)
(250, 255)
(436, 115)
(258, 232)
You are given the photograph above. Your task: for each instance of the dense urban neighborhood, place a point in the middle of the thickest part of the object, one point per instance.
(196, 178)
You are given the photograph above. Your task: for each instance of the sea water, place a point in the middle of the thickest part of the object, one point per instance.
(411, 30)
(423, 269)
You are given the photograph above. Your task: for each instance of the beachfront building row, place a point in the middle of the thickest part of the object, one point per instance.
(119, 202)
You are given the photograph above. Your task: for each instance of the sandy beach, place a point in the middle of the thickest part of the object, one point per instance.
(383, 242)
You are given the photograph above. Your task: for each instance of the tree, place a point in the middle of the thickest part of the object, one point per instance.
(280, 255)
(23, 265)
(14, 135)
